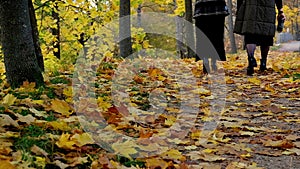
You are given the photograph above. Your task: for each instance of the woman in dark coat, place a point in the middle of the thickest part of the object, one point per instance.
(256, 21)
(210, 19)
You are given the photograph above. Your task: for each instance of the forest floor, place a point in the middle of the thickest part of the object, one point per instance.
(166, 115)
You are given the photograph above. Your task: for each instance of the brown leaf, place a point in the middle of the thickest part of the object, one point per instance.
(5, 146)
(297, 144)
(138, 79)
(278, 143)
(6, 120)
(28, 119)
(38, 151)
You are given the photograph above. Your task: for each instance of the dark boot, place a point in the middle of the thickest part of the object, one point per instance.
(264, 55)
(251, 64)
(250, 71)
(263, 64)
(252, 61)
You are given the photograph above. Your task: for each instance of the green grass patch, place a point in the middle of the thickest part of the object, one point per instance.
(296, 76)
(58, 80)
(50, 93)
(33, 135)
(128, 163)
(51, 117)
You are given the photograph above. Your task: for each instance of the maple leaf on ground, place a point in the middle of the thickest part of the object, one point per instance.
(173, 155)
(6, 165)
(9, 100)
(6, 120)
(59, 125)
(61, 107)
(278, 143)
(82, 139)
(40, 161)
(65, 142)
(38, 151)
(154, 163)
(127, 149)
(240, 165)
(292, 151)
(28, 119)
(5, 146)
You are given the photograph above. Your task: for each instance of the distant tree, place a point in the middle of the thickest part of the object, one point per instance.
(35, 36)
(124, 29)
(56, 31)
(230, 28)
(20, 58)
(189, 32)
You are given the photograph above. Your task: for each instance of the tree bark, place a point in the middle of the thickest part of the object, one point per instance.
(179, 34)
(35, 36)
(230, 26)
(179, 37)
(124, 29)
(139, 16)
(56, 32)
(190, 37)
(17, 43)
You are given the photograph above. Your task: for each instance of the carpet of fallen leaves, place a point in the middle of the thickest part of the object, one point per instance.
(258, 127)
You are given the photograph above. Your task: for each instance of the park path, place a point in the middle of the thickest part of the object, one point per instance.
(291, 46)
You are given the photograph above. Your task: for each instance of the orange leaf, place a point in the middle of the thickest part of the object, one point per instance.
(6, 165)
(156, 163)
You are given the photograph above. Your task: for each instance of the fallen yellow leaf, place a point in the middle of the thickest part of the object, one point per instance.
(254, 80)
(9, 100)
(154, 163)
(6, 165)
(65, 142)
(61, 107)
(82, 139)
(173, 155)
(125, 148)
(59, 125)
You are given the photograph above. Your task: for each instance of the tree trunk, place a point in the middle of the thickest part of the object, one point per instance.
(297, 30)
(230, 26)
(35, 36)
(56, 31)
(17, 43)
(139, 16)
(190, 37)
(124, 29)
(179, 37)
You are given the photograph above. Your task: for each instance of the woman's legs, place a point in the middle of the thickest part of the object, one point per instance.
(264, 55)
(251, 60)
(215, 33)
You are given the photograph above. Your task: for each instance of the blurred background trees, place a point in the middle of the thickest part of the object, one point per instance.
(64, 26)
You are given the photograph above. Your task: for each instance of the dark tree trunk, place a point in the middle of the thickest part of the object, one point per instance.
(56, 31)
(230, 27)
(139, 16)
(35, 36)
(190, 37)
(17, 43)
(179, 37)
(124, 29)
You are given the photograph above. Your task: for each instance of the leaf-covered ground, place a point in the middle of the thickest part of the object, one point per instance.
(255, 125)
